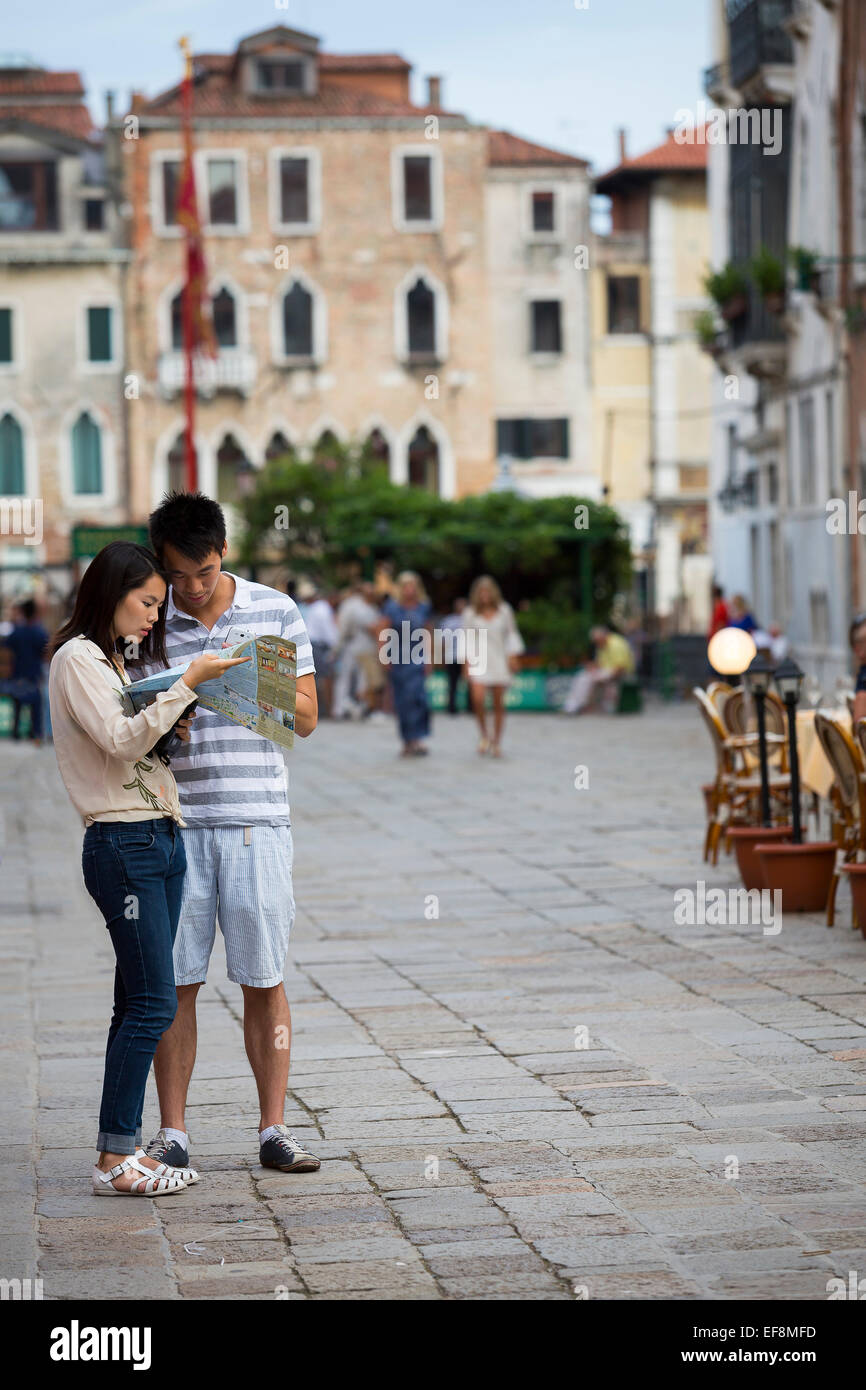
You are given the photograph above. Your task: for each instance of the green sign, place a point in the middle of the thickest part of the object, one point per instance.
(528, 690)
(87, 541)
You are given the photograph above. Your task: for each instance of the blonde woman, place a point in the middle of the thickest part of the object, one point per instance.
(492, 651)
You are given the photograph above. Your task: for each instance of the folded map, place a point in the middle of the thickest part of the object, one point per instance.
(260, 695)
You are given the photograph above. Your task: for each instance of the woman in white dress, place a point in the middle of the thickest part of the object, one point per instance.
(493, 644)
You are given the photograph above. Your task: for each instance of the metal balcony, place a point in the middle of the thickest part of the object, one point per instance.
(759, 339)
(233, 370)
(757, 38)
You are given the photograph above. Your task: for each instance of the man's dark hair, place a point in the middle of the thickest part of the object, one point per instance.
(27, 609)
(718, 591)
(192, 523)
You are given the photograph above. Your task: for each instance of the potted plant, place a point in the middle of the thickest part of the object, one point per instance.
(768, 273)
(802, 872)
(745, 838)
(729, 287)
(806, 268)
(707, 332)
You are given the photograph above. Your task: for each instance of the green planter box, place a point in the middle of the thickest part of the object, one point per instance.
(538, 690)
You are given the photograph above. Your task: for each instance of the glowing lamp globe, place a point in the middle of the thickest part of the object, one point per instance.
(731, 651)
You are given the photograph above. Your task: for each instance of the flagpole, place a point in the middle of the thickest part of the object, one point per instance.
(186, 299)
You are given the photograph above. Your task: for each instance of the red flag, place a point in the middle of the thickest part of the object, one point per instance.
(198, 334)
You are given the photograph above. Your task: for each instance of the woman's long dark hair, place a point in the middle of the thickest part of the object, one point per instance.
(118, 568)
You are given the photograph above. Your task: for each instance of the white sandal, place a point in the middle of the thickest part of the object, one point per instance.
(150, 1185)
(188, 1176)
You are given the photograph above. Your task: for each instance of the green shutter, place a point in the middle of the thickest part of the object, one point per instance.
(5, 335)
(99, 334)
(11, 457)
(86, 456)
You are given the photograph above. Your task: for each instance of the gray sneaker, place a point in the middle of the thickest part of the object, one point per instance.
(173, 1155)
(284, 1151)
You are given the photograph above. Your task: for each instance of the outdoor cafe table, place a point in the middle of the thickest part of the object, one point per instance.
(816, 774)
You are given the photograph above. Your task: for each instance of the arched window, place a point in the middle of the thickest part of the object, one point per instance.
(421, 311)
(326, 450)
(86, 456)
(424, 460)
(177, 321)
(277, 447)
(177, 465)
(297, 322)
(234, 470)
(11, 457)
(224, 319)
(376, 447)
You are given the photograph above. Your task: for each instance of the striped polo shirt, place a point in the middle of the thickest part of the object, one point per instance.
(228, 775)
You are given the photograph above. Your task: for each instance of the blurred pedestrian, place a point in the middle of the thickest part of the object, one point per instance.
(599, 681)
(491, 658)
(356, 619)
(404, 653)
(740, 614)
(321, 625)
(27, 642)
(453, 623)
(720, 615)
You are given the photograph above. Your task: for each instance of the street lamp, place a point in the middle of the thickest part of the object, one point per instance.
(789, 678)
(757, 677)
(730, 651)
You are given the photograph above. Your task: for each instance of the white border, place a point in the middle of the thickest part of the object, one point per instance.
(320, 323)
(109, 495)
(157, 207)
(437, 192)
(31, 469)
(242, 198)
(441, 322)
(313, 157)
(400, 455)
(83, 336)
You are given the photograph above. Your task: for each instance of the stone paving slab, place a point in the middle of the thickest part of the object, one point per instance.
(550, 1091)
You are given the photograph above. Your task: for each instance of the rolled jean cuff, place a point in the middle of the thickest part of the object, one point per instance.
(116, 1143)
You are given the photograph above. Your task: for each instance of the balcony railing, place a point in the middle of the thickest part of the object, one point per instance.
(756, 36)
(627, 247)
(233, 370)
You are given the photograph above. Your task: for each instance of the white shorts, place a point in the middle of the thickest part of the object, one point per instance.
(241, 877)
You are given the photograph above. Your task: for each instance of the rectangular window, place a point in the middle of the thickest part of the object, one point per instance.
(99, 334)
(94, 214)
(542, 212)
(546, 325)
(807, 450)
(5, 337)
(418, 188)
(284, 76)
(528, 439)
(222, 193)
(170, 186)
(294, 190)
(623, 304)
(28, 196)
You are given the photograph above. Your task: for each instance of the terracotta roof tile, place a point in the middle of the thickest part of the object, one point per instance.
(358, 62)
(505, 148)
(669, 157)
(66, 120)
(216, 94)
(35, 82)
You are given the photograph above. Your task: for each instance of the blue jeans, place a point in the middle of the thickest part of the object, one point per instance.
(134, 872)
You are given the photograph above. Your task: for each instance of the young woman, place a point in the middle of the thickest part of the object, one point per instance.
(494, 658)
(133, 857)
(409, 614)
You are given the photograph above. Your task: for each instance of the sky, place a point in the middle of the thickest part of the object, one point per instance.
(564, 76)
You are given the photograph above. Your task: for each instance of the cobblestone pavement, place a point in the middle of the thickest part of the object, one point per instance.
(707, 1142)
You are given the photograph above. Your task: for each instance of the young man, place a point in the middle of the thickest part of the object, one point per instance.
(232, 785)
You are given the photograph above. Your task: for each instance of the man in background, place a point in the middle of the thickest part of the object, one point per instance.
(27, 643)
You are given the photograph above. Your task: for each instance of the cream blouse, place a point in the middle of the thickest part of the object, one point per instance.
(104, 755)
